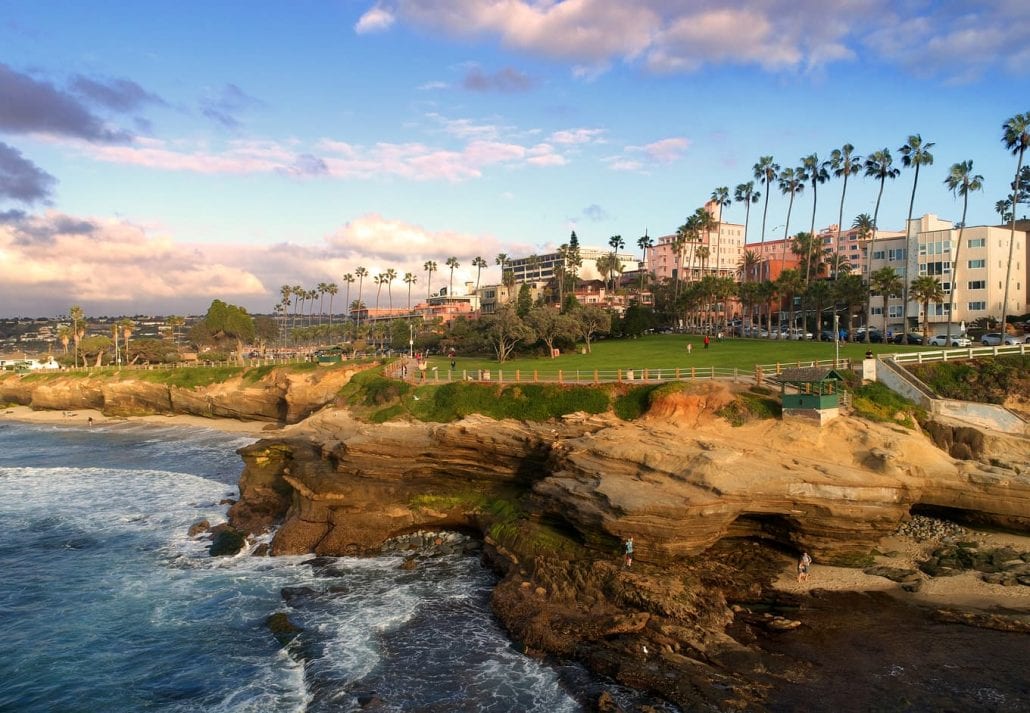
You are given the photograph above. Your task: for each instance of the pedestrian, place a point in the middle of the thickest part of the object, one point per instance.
(454, 364)
(690, 348)
(628, 547)
(707, 341)
(90, 421)
(804, 564)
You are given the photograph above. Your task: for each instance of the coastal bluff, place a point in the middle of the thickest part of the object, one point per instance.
(714, 511)
(275, 395)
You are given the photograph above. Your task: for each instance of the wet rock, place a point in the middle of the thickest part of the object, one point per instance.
(607, 704)
(291, 594)
(198, 527)
(779, 623)
(409, 563)
(261, 550)
(895, 574)
(1000, 622)
(227, 541)
(282, 628)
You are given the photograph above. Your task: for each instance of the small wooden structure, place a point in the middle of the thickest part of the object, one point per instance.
(812, 393)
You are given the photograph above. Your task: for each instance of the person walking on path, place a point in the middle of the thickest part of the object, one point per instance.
(628, 546)
(803, 566)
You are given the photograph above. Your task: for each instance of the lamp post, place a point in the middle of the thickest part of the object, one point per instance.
(411, 340)
(836, 340)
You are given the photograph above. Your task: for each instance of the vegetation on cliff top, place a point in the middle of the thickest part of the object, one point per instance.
(990, 380)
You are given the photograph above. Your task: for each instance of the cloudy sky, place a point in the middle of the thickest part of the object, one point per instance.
(157, 155)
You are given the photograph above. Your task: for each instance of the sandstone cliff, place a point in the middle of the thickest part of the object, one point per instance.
(554, 501)
(280, 395)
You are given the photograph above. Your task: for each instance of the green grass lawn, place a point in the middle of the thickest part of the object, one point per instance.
(668, 351)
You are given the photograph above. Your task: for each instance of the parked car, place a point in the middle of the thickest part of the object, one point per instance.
(910, 338)
(941, 340)
(994, 339)
(875, 335)
(798, 334)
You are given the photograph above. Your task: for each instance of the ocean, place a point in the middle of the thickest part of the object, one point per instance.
(106, 604)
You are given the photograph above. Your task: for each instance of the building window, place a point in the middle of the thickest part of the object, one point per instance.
(973, 264)
(895, 255)
(940, 310)
(946, 286)
(977, 243)
(878, 255)
(935, 268)
(977, 285)
(979, 306)
(876, 311)
(895, 311)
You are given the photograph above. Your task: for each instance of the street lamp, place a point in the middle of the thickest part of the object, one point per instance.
(411, 340)
(836, 340)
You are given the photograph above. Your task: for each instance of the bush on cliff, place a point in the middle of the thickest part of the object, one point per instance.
(876, 402)
(531, 402)
(754, 405)
(985, 380)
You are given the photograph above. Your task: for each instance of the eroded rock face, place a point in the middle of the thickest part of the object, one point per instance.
(279, 396)
(554, 501)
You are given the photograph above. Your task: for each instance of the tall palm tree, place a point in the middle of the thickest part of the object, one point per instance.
(885, 282)
(808, 249)
(645, 243)
(679, 247)
(125, 326)
(844, 162)
(321, 290)
(452, 262)
(174, 323)
(790, 283)
(766, 171)
(1016, 137)
(616, 243)
(864, 224)
(361, 273)
(379, 280)
(430, 267)
(502, 260)
(792, 182)
(878, 165)
(1004, 209)
(410, 279)
(348, 279)
(721, 198)
(961, 181)
(816, 173)
(926, 289)
(479, 263)
(849, 291)
(298, 293)
(745, 193)
(332, 289)
(914, 153)
(390, 276)
(64, 336)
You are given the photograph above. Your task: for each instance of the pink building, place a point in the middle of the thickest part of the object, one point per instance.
(724, 245)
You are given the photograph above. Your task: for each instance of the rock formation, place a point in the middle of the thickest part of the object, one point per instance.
(554, 501)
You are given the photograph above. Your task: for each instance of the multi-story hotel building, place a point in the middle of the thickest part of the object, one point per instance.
(725, 244)
(540, 268)
(973, 275)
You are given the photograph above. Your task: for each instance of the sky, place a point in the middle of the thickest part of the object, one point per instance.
(157, 155)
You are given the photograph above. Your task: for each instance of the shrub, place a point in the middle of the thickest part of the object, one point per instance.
(876, 402)
(749, 407)
(633, 403)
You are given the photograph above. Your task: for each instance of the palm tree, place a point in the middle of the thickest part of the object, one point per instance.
(410, 279)
(745, 193)
(332, 289)
(864, 224)
(452, 262)
(792, 182)
(926, 289)
(849, 290)
(878, 165)
(125, 326)
(174, 322)
(616, 243)
(64, 336)
(502, 260)
(430, 267)
(348, 279)
(479, 263)
(844, 162)
(321, 289)
(837, 264)
(807, 248)
(817, 294)
(78, 318)
(1004, 209)
(765, 172)
(644, 243)
(885, 282)
(361, 273)
(721, 198)
(816, 173)
(961, 182)
(379, 280)
(914, 153)
(1016, 137)
(390, 275)
(790, 283)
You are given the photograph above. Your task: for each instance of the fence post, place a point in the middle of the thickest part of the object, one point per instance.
(518, 374)
(597, 380)
(645, 374)
(677, 374)
(500, 376)
(536, 376)
(735, 375)
(618, 375)
(559, 377)
(464, 375)
(693, 371)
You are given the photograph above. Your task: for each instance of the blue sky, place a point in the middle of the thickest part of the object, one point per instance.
(157, 155)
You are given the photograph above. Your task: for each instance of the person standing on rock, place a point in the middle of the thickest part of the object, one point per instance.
(628, 546)
(803, 566)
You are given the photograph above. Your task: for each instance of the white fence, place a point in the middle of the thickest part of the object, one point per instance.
(956, 354)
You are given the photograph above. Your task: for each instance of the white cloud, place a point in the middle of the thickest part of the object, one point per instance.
(578, 136)
(375, 20)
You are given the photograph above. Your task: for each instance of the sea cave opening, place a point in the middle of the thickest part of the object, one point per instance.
(776, 531)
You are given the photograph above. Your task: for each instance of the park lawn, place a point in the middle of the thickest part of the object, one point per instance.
(668, 351)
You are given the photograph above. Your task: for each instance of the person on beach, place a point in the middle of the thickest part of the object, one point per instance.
(90, 421)
(690, 348)
(628, 546)
(803, 566)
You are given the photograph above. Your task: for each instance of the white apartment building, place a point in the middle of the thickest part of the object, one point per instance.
(540, 268)
(973, 275)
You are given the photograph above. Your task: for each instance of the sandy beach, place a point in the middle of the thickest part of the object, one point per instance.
(964, 590)
(80, 418)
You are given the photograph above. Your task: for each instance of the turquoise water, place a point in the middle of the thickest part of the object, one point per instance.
(107, 605)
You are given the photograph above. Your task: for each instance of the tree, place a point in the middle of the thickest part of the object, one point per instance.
(332, 289)
(616, 243)
(808, 248)
(348, 280)
(503, 330)
(430, 267)
(64, 336)
(479, 263)
(864, 224)
(844, 162)
(525, 300)
(502, 260)
(817, 295)
(452, 262)
(320, 290)
(390, 276)
(721, 198)
(926, 289)
(961, 181)
(878, 165)
(849, 291)
(95, 346)
(410, 279)
(885, 282)
(550, 326)
(125, 326)
(789, 284)
(379, 280)
(645, 243)
(78, 318)
(816, 173)
(792, 182)
(229, 323)
(361, 273)
(1004, 209)
(590, 320)
(1016, 137)
(914, 153)
(766, 171)
(745, 193)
